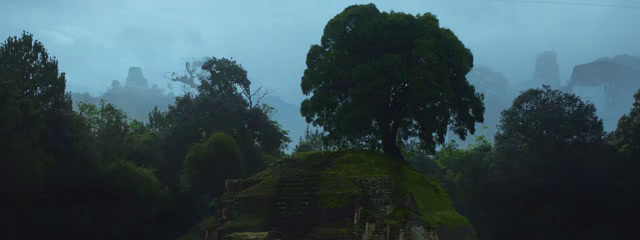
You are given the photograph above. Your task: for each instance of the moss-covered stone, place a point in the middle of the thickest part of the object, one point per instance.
(342, 194)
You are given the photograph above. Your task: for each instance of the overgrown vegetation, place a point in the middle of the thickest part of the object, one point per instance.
(384, 82)
(94, 173)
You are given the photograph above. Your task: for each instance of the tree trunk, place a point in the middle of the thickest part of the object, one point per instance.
(389, 145)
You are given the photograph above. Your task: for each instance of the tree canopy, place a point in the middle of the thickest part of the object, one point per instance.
(378, 78)
(541, 119)
(208, 164)
(627, 135)
(32, 103)
(222, 103)
(71, 173)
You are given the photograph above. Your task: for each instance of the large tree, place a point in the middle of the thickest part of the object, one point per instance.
(549, 156)
(378, 79)
(223, 102)
(543, 121)
(31, 97)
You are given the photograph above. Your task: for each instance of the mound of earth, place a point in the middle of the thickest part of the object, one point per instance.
(335, 195)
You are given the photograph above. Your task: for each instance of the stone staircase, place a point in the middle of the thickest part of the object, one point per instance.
(293, 213)
(246, 236)
(331, 234)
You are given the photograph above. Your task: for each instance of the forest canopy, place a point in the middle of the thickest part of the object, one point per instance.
(71, 173)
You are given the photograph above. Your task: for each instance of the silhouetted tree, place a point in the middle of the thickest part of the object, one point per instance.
(549, 156)
(378, 78)
(542, 122)
(626, 137)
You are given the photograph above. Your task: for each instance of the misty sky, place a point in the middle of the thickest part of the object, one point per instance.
(96, 41)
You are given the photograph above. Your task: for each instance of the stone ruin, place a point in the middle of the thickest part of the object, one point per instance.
(135, 79)
(285, 204)
(547, 70)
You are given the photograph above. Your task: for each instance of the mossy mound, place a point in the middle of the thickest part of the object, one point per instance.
(435, 205)
(352, 191)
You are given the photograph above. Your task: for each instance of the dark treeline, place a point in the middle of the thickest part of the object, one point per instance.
(551, 173)
(92, 174)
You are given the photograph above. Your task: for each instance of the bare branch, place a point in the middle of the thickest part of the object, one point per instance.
(262, 95)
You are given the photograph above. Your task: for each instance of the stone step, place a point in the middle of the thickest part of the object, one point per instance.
(294, 209)
(286, 203)
(246, 236)
(296, 183)
(294, 198)
(299, 181)
(289, 225)
(298, 187)
(289, 213)
(293, 204)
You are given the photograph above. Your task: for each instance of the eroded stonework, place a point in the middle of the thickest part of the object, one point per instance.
(291, 202)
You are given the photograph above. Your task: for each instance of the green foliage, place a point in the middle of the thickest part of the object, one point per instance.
(223, 103)
(208, 164)
(137, 196)
(626, 137)
(541, 119)
(311, 142)
(52, 154)
(28, 70)
(545, 132)
(138, 182)
(378, 78)
(226, 78)
(110, 128)
(548, 157)
(219, 105)
(451, 218)
(32, 100)
(432, 200)
(263, 189)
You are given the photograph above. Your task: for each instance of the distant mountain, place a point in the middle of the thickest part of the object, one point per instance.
(288, 116)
